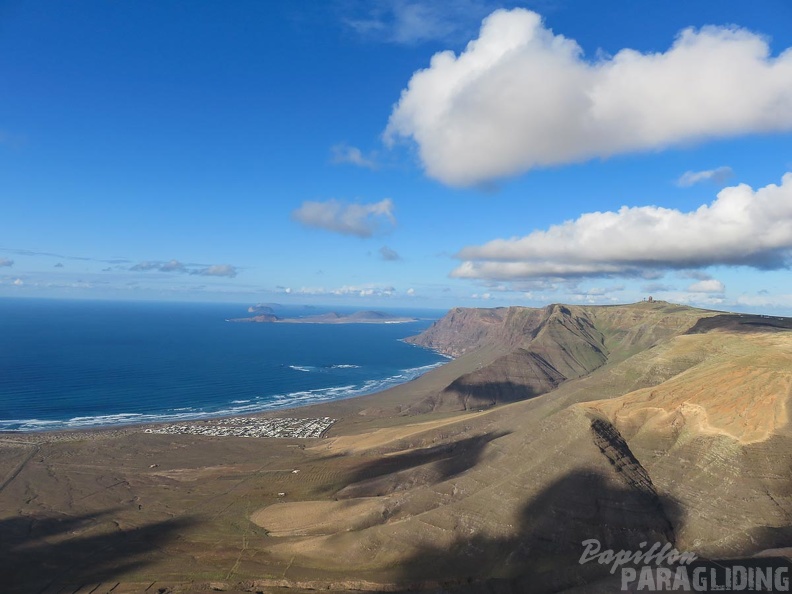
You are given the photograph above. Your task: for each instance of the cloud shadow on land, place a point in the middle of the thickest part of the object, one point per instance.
(544, 551)
(38, 553)
(432, 464)
(474, 395)
(621, 509)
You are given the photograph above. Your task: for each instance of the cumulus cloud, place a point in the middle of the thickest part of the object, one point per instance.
(717, 176)
(226, 270)
(741, 227)
(388, 254)
(521, 97)
(362, 220)
(5, 262)
(342, 153)
(707, 286)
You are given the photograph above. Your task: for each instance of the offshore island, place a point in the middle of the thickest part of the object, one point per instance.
(634, 425)
(265, 315)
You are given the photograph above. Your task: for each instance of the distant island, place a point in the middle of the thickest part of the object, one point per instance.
(269, 308)
(359, 317)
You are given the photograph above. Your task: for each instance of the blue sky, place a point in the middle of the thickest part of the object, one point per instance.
(317, 152)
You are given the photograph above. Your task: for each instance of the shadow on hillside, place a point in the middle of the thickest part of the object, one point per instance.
(36, 553)
(741, 323)
(483, 395)
(448, 460)
(544, 551)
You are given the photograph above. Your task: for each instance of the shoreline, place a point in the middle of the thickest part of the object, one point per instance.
(121, 428)
(165, 500)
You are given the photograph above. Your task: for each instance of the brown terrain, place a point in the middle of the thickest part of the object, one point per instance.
(645, 422)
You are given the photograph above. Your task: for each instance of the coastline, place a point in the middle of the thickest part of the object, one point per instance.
(185, 493)
(166, 363)
(274, 411)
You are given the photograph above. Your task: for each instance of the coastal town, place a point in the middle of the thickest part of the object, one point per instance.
(287, 427)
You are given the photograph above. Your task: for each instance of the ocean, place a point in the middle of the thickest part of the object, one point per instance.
(77, 364)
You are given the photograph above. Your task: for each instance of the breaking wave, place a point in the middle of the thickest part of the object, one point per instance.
(304, 368)
(233, 408)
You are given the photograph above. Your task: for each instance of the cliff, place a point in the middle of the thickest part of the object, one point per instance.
(539, 349)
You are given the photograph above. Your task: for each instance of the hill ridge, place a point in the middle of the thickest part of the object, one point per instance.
(540, 348)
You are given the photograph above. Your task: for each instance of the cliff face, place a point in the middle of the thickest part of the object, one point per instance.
(542, 348)
(464, 330)
(548, 347)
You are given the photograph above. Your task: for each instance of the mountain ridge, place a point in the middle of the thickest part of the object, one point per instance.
(540, 348)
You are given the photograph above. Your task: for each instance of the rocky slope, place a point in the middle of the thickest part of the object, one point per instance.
(541, 348)
(685, 442)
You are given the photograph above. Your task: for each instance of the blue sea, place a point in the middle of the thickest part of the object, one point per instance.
(76, 364)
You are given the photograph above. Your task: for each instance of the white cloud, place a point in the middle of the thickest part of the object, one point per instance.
(5, 262)
(226, 270)
(601, 291)
(707, 286)
(411, 292)
(765, 300)
(348, 290)
(362, 220)
(410, 22)
(717, 176)
(148, 265)
(742, 227)
(342, 153)
(520, 97)
(172, 266)
(696, 299)
(388, 254)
